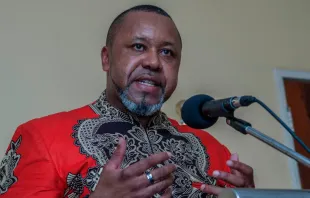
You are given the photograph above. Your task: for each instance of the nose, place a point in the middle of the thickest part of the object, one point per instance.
(152, 61)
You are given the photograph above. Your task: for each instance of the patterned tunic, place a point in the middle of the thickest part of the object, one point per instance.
(63, 155)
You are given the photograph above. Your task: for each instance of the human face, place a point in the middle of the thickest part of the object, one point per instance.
(144, 59)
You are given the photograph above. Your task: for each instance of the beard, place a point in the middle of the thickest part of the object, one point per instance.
(142, 108)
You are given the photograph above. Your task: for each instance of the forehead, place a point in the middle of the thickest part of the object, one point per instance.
(152, 26)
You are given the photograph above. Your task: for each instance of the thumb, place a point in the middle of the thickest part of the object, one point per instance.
(118, 155)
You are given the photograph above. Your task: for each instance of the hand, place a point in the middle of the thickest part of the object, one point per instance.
(241, 176)
(132, 182)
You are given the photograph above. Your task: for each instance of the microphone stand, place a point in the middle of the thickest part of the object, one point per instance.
(246, 128)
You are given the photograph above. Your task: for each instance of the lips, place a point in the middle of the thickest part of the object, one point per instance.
(149, 81)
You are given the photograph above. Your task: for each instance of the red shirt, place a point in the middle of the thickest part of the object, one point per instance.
(62, 155)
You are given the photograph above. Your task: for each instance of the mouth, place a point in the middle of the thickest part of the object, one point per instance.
(149, 81)
(147, 84)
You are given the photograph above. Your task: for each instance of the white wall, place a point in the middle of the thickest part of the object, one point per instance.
(49, 62)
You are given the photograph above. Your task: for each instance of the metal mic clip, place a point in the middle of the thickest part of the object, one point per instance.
(238, 124)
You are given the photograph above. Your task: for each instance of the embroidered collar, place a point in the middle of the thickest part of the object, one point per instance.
(103, 108)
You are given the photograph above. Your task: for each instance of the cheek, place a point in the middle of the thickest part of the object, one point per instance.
(129, 67)
(120, 70)
(118, 75)
(171, 80)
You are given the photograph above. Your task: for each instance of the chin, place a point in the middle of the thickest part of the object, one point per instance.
(149, 101)
(142, 107)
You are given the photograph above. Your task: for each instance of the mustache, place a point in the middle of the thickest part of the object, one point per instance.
(149, 76)
(119, 89)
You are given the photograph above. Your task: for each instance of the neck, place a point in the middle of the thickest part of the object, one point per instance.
(144, 121)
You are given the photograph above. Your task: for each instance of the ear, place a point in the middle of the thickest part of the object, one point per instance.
(105, 59)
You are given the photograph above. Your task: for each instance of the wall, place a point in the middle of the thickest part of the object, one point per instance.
(49, 62)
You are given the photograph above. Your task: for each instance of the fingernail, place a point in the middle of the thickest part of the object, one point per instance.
(229, 163)
(202, 187)
(234, 156)
(120, 141)
(169, 154)
(216, 173)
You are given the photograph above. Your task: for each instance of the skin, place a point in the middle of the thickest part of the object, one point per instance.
(147, 46)
(241, 176)
(131, 182)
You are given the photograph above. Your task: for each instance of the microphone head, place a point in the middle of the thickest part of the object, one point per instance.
(191, 112)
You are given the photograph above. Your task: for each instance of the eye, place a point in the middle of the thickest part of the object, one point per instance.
(138, 47)
(166, 52)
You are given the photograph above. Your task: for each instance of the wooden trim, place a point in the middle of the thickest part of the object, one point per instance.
(279, 75)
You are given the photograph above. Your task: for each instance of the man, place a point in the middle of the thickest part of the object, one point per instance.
(122, 145)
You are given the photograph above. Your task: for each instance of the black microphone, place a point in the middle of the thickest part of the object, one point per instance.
(202, 111)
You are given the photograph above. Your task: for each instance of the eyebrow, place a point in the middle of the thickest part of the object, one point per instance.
(165, 43)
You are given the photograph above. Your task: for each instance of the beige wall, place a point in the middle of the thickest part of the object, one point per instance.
(49, 62)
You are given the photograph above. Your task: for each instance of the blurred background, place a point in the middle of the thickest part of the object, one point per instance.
(50, 62)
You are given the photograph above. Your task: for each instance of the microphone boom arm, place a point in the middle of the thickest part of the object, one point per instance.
(246, 128)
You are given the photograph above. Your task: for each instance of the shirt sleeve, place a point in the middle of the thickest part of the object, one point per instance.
(27, 169)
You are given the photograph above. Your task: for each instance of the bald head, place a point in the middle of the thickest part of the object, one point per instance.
(117, 22)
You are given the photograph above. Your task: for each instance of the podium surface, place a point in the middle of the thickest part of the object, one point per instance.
(264, 193)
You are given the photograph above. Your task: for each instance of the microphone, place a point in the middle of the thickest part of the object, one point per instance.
(202, 111)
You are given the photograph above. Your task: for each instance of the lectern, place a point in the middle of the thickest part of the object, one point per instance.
(263, 193)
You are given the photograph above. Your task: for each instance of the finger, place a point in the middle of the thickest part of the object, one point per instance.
(155, 188)
(118, 155)
(230, 178)
(241, 167)
(163, 172)
(168, 193)
(211, 189)
(233, 171)
(158, 174)
(234, 157)
(140, 167)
